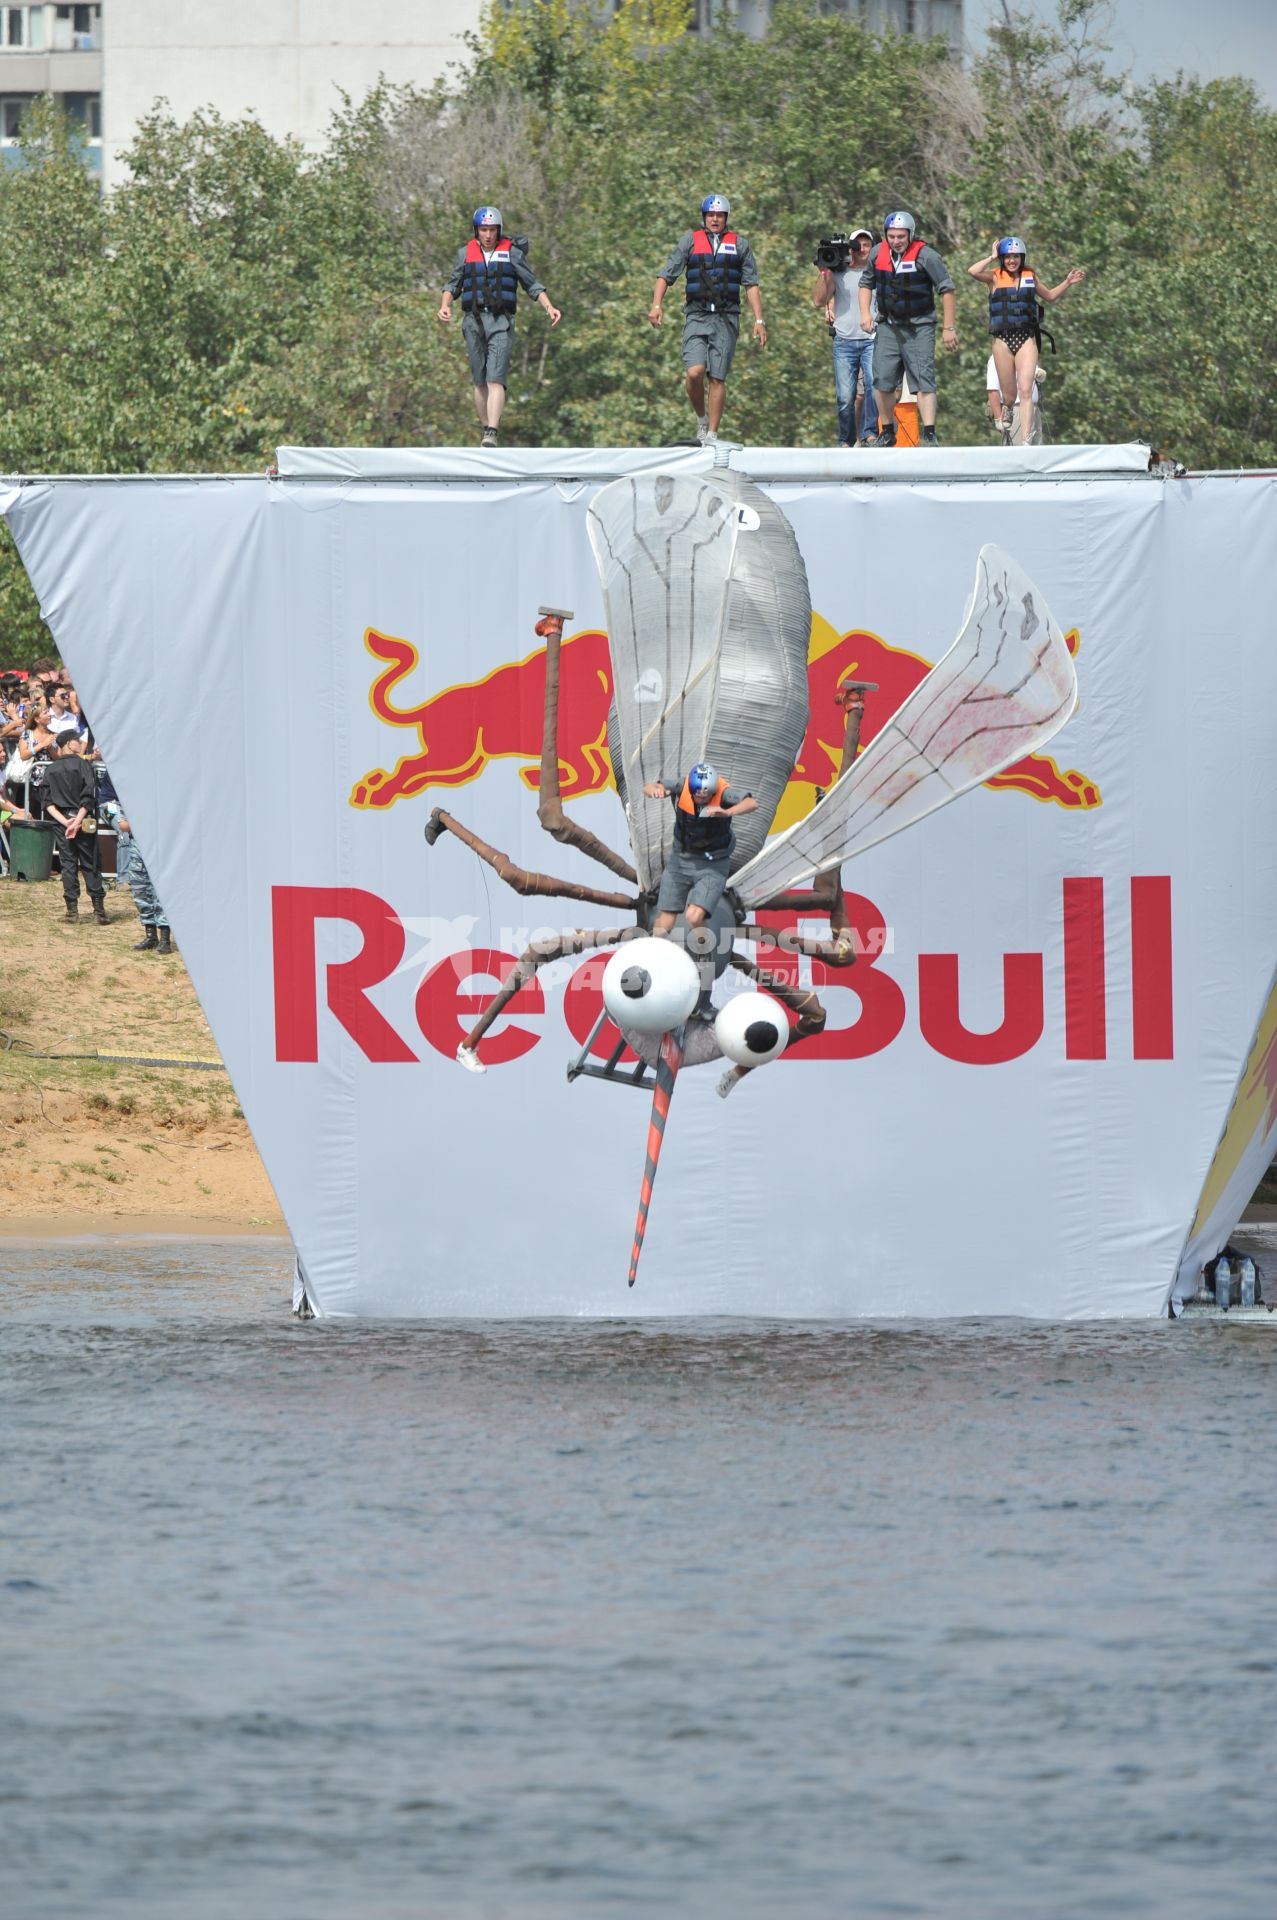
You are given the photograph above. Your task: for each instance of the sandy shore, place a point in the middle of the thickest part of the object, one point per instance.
(37, 1231)
(95, 1146)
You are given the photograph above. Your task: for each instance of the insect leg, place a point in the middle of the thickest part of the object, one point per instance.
(538, 955)
(520, 878)
(550, 795)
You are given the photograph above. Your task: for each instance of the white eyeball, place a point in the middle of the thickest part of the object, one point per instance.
(752, 1029)
(650, 985)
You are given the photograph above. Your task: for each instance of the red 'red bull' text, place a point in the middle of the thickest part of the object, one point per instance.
(452, 993)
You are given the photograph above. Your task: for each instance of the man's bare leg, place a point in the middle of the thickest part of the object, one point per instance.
(886, 410)
(717, 399)
(696, 391)
(927, 409)
(481, 404)
(496, 404)
(693, 916)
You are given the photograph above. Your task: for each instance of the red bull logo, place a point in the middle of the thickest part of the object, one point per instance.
(462, 729)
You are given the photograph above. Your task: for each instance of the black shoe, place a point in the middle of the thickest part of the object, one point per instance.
(927, 438)
(150, 941)
(166, 944)
(489, 437)
(887, 438)
(72, 915)
(100, 914)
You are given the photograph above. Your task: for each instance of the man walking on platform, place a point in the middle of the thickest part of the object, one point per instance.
(906, 275)
(719, 265)
(486, 277)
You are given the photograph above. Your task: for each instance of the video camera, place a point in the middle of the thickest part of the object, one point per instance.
(834, 254)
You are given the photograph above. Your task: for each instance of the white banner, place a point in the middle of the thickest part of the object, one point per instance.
(1017, 1105)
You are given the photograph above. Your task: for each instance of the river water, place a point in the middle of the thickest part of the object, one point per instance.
(707, 1619)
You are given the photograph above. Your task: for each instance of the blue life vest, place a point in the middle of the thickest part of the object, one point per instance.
(904, 291)
(1013, 302)
(713, 277)
(488, 284)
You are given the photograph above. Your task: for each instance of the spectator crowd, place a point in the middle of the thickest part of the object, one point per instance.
(51, 771)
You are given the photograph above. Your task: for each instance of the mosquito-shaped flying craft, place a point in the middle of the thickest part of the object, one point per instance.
(709, 619)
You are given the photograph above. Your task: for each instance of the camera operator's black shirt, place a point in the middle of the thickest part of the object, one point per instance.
(69, 785)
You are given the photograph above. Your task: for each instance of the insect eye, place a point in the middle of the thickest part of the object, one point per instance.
(752, 1029)
(650, 986)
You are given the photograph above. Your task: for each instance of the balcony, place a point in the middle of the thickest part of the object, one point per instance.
(50, 48)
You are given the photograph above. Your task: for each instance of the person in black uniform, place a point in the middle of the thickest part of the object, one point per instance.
(696, 872)
(70, 801)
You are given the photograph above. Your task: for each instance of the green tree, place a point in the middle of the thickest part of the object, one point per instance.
(235, 293)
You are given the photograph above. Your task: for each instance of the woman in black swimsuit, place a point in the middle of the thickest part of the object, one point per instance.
(1015, 298)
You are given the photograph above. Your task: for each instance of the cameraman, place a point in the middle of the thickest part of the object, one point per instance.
(836, 292)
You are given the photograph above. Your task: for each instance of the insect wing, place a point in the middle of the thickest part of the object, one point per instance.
(1005, 687)
(663, 544)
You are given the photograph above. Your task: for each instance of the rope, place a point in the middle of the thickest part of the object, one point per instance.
(12, 1044)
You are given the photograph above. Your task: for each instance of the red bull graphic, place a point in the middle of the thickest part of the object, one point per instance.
(462, 729)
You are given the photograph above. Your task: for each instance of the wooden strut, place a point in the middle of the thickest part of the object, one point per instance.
(538, 955)
(826, 895)
(839, 952)
(521, 878)
(799, 1000)
(550, 795)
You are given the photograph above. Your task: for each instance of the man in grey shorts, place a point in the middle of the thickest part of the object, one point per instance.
(696, 872)
(719, 265)
(906, 275)
(487, 276)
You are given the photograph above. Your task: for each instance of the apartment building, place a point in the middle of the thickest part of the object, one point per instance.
(287, 61)
(51, 49)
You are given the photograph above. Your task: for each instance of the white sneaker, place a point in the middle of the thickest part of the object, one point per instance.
(709, 439)
(468, 1058)
(702, 427)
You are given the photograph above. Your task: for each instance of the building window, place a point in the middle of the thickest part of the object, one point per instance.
(77, 29)
(23, 27)
(12, 108)
(85, 109)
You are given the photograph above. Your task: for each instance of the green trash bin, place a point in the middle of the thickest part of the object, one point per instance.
(30, 849)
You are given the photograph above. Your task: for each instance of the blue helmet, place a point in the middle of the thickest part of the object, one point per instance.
(487, 217)
(715, 203)
(1012, 245)
(703, 780)
(900, 220)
